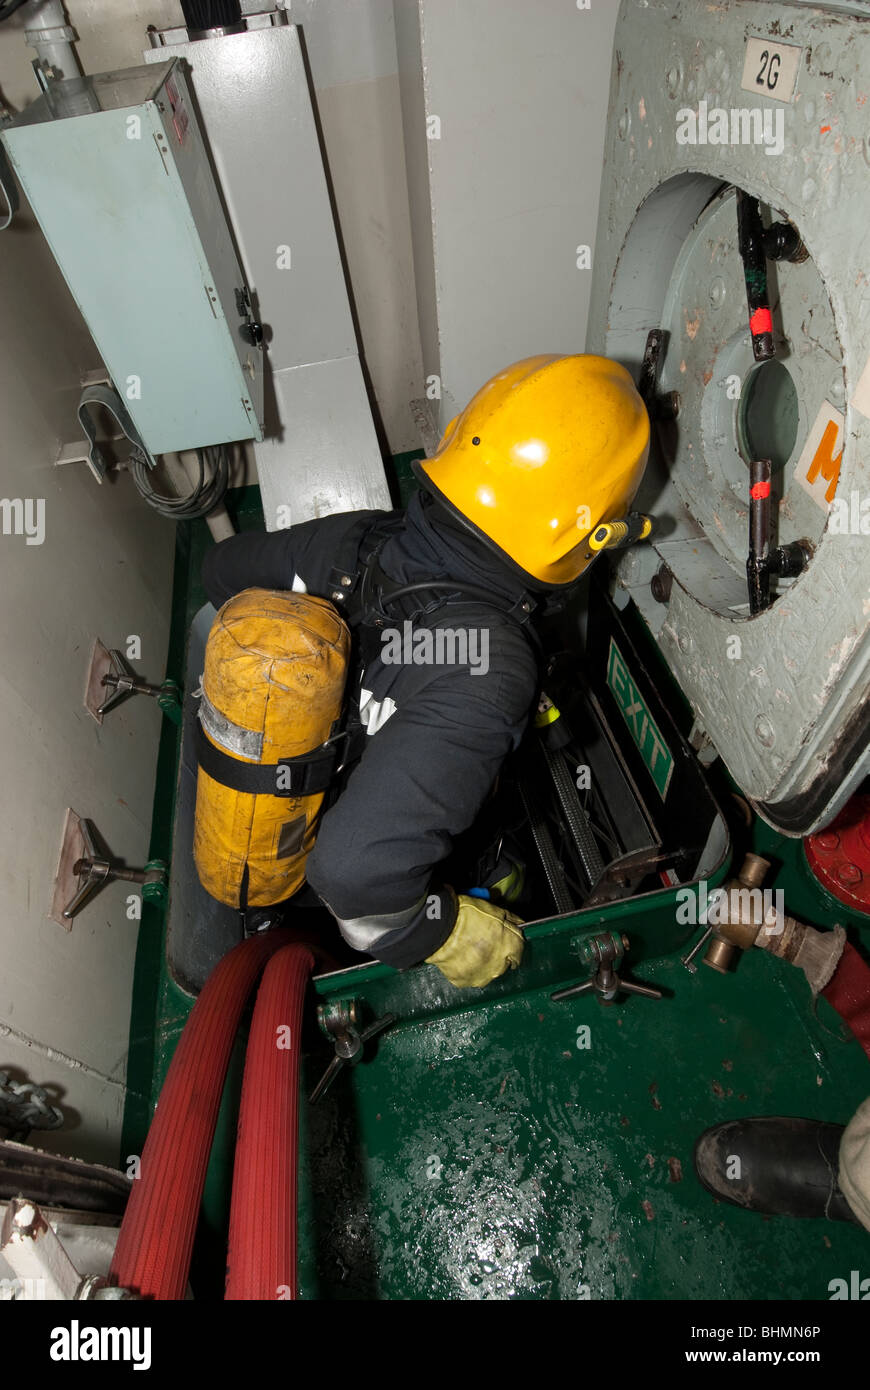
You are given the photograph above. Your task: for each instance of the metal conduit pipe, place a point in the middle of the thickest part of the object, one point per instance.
(261, 1253)
(183, 471)
(152, 1257)
(46, 30)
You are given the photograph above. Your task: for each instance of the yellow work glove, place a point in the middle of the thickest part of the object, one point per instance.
(484, 943)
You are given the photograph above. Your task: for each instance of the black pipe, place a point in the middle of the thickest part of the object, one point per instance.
(757, 566)
(750, 241)
(785, 561)
(782, 242)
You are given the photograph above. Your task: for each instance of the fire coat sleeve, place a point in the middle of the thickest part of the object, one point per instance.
(299, 557)
(421, 781)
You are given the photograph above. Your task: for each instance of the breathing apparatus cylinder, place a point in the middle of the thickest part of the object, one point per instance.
(272, 692)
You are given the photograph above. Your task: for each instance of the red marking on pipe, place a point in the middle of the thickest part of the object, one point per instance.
(759, 490)
(761, 321)
(823, 129)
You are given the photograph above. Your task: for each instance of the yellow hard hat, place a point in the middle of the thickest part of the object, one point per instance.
(546, 451)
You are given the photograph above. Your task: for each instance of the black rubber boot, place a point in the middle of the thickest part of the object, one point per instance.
(776, 1165)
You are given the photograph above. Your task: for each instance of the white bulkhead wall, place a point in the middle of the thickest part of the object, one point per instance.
(93, 561)
(505, 107)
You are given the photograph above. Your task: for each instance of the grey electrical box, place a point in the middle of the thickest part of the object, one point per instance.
(118, 175)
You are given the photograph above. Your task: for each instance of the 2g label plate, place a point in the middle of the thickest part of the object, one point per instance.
(771, 69)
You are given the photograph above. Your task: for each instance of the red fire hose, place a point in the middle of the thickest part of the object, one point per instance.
(261, 1258)
(849, 993)
(152, 1257)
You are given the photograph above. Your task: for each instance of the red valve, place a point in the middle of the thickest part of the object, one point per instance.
(839, 855)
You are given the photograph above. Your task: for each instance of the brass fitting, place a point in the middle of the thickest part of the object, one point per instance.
(741, 917)
(743, 922)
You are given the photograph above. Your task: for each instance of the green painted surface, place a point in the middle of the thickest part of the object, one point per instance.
(485, 1155)
(646, 733)
(653, 923)
(479, 1152)
(403, 482)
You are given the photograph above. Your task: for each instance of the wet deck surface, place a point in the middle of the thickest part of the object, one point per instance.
(484, 1155)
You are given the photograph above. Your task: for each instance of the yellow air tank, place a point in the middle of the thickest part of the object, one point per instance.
(272, 691)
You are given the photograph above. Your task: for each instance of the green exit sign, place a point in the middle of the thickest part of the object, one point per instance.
(641, 725)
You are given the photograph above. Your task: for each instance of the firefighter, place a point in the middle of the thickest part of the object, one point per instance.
(442, 599)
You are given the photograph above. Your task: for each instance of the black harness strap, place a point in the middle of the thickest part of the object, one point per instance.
(301, 776)
(362, 540)
(382, 595)
(365, 595)
(368, 599)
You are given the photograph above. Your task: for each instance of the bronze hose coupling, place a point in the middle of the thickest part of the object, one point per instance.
(746, 917)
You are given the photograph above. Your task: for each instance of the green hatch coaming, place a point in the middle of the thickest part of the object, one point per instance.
(655, 923)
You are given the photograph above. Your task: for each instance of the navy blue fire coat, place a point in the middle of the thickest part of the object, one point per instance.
(443, 698)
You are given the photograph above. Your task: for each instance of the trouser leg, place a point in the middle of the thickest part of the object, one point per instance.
(854, 1174)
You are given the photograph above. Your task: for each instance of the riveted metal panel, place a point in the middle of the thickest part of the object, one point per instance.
(782, 695)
